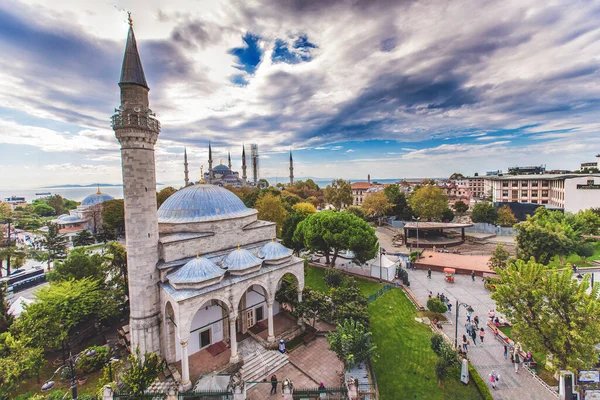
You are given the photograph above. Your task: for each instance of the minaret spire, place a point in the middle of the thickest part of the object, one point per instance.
(244, 177)
(291, 169)
(210, 170)
(185, 167)
(229, 158)
(132, 70)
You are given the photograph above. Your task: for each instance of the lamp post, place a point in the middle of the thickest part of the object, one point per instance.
(380, 263)
(469, 309)
(417, 219)
(49, 384)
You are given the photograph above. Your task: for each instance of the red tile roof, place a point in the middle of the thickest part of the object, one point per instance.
(360, 185)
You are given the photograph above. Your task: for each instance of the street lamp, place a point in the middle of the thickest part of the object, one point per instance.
(417, 219)
(380, 262)
(469, 309)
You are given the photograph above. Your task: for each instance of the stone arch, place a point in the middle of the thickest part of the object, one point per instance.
(188, 310)
(170, 333)
(247, 285)
(242, 309)
(277, 279)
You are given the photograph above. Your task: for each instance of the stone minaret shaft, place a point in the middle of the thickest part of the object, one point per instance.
(185, 167)
(291, 169)
(137, 131)
(210, 170)
(244, 177)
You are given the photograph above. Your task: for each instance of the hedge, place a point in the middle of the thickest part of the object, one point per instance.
(480, 383)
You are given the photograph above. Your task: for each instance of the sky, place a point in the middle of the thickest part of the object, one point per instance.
(394, 89)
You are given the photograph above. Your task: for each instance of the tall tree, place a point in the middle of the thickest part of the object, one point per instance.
(164, 194)
(551, 312)
(270, 208)
(484, 212)
(506, 216)
(57, 202)
(113, 215)
(329, 232)
(83, 238)
(142, 372)
(55, 243)
(339, 193)
(586, 222)
(314, 304)
(80, 264)
(287, 231)
(376, 205)
(305, 208)
(544, 235)
(499, 258)
(115, 256)
(351, 343)
(43, 210)
(6, 319)
(358, 211)
(18, 361)
(460, 207)
(429, 202)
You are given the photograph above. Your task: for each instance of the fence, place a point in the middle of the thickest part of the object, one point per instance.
(206, 395)
(146, 396)
(482, 227)
(331, 393)
(379, 293)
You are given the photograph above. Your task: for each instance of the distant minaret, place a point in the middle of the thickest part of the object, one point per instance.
(137, 130)
(229, 158)
(244, 177)
(210, 170)
(185, 167)
(369, 179)
(291, 169)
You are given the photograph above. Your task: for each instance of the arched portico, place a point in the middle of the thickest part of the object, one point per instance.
(170, 333)
(254, 305)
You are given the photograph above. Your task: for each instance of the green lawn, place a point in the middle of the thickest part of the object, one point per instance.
(577, 260)
(406, 364)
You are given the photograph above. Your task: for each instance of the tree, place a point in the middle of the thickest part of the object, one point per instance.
(506, 216)
(397, 198)
(460, 207)
(115, 257)
(55, 243)
(18, 361)
(164, 194)
(586, 222)
(83, 238)
(551, 312)
(447, 359)
(142, 372)
(6, 319)
(105, 234)
(349, 303)
(435, 305)
(287, 231)
(113, 215)
(80, 264)
(57, 202)
(456, 176)
(339, 193)
(262, 183)
(43, 210)
(544, 235)
(304, 208)
(358, 211)
(447, 215)
(484, 212)
(376, 205)
(314, 304)
(329, 232)
(351, 342)
(499, 258)
(429, 202)
(270, 208)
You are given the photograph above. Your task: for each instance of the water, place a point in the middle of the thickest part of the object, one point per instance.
(76, 193)
(324, 182)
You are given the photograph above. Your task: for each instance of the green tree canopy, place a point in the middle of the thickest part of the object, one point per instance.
(287, 231)
(506, 216)
(376, 205)
(484, 212)
(164, 194)
(83, 238)
(304, 208)
(142, 372)
(545, 235)
(270, 208)
(400, 207)
(551, 312)
(18, 361)
(358, 211)
(499, 258)
(43, 210)
(429, 202)
(80, 264)
(460, 207)
(113, 215)
(351, 343)
(55, 243)
(6, 319)
(339, 193)
(586, 222)
(329, 232)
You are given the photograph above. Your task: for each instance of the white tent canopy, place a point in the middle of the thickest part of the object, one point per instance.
(18, 306)
(388, 267)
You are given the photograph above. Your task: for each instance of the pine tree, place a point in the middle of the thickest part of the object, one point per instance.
(55, 243)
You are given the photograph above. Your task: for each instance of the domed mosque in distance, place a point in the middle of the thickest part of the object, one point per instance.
(203, 269)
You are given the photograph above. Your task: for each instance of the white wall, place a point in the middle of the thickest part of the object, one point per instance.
(203, 317)
(581, 199)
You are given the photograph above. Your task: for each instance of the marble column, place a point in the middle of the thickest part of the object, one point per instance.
(185, 366)
(271, 336)
(300, 321)
(233, 340)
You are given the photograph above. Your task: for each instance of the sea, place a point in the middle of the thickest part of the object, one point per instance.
(80, 193)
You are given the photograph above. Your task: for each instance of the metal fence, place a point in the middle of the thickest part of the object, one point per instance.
(146, 396)
(330, 393)
(206, 395)
(379, 293)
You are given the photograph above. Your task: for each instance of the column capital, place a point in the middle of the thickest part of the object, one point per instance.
(232, 319)
(270, 303)
(184, 342)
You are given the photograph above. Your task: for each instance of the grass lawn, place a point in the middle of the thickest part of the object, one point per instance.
(315, 279)
(540, 358)
(577, 260)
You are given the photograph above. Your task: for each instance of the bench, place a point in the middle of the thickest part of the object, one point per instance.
(506, 340)
(308, 338)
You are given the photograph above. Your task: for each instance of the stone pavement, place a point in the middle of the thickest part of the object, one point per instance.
(489, 355)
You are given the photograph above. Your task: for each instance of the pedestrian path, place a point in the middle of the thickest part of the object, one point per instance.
(489, 355)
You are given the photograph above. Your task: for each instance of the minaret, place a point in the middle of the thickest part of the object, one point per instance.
(369, 179)
(185, 167)
(229, 158)
(137, 130)
(291, 169)
(244, 177)
(210, 171)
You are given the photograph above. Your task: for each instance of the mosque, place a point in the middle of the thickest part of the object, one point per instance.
(203, 269)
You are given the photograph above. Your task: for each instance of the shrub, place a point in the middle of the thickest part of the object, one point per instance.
(436, 305)
(333, 278)
(436, 342)
(480, 383)
(24, 396)
(87, 364)
(57, 394)
(403, 276)
(585, 250)
(86, 397)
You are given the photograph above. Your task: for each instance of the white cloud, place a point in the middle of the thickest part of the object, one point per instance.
(350, 151)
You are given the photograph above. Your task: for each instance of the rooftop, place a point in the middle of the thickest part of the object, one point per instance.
(435, 225)
(540, 176)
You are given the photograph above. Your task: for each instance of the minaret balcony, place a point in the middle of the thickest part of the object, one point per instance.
(136, 120)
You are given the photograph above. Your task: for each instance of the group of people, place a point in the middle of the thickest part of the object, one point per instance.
(441, 297)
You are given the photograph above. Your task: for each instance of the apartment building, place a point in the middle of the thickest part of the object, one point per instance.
(359, 192)
(571, 192)
(476, 186)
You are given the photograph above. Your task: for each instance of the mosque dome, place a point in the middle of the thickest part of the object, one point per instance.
(221, 168)
(274, 251)
(96, 198)
(66, 218)
(201, 203)
(198, 270)
(241, 261)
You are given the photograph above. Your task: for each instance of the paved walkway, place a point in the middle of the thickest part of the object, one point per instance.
(486, 356)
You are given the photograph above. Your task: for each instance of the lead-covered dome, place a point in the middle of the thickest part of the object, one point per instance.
(96, 198)
(200, 203)
(241, 261)
(273, 252)
(199, 270)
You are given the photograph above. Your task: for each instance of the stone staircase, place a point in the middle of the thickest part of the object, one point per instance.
(261, 365)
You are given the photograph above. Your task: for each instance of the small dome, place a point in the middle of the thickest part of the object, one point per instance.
(200, 203)
(198, 270)
(96, 198)
(241, 260)
(65, 219)
(273, 251)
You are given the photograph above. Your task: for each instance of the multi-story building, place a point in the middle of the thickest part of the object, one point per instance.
(593, 164)
(359, 192)
(571, 192)
(476, 185)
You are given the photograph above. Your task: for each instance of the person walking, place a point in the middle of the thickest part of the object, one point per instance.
(474, 335)
(465, 343)
(429, 273)
(481, 334)
(493, 378)
(517, 361)
(505, 352)
(274, 384)
(468, 327)
(449, 305)
(473, 276)
(476, 320)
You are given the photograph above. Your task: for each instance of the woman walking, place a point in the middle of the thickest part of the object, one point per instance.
(517, 361)
(476, 320)
(493, 379)
(465, 343)
(481, 334)
(474, 336)
(505, 352)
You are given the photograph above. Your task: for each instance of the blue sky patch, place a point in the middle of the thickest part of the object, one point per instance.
(300, 51)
